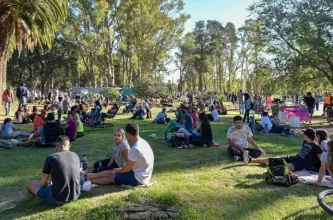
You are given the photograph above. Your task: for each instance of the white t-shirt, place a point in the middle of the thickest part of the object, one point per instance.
(266, 121)
(215, 115)
(323, 145)
(143, 156)
(239, 136)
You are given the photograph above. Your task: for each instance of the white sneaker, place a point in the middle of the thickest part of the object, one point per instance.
(246, 157)
(15, 142)
(235, 158)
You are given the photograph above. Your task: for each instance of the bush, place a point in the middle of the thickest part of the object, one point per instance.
(110, 93)
(150, 88)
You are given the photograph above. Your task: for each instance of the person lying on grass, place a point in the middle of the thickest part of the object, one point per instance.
(138, 168)
(308, 158)
(10, 131)
(64, 168)
(120, 153)
(326, 160)
(238, 137)
(46, 135)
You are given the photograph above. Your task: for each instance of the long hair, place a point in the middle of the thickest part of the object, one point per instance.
(204, 121)
(246, 96)
(323, 136)
(330, 157)
(122, 131)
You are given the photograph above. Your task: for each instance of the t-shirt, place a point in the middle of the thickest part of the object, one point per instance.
(323, 145)
(215, 114)
(71, 131)
(189, 122)
(64, 168)
(79, 126)
(143, 156)
(161, 115)
(7, 130)
(310, 101)
(117, 151)
(308, 156)
(240, 97)
(266, 121)
(239, 136)
(38, 122)
(324, 159)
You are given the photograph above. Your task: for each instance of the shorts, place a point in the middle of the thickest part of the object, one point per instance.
(126, 179)
(295, 162)
(311, 110)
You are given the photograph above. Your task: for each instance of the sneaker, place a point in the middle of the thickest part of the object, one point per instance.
(246, 157)
(183, 147)
(15, 142)
(235, 158)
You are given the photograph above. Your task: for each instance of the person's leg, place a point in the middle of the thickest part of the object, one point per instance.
(103, 174)
(20, 134)
(29, 142)
(184, 131)
(33, 186)
(6, 108)
(59, 116)
(254, 153)
(263, 161)
(232, 151)
(197, 141)
(277, 130)
(126, 179)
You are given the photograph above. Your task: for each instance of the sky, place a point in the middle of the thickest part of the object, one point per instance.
(221, 10)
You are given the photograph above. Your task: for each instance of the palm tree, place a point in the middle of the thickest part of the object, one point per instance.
(26, 23)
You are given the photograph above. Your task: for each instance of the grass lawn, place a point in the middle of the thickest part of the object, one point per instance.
(203, 182)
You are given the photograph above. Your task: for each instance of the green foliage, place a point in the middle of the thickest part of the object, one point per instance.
(150, 88)
(110, 93)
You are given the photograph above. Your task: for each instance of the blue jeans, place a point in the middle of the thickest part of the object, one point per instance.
(8, 107)
(247, 116)
(45, 193)
(22, 101)
(254, 153)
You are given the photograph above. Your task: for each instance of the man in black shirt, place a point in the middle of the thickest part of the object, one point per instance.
(64, 168)
(307, 158)
(310, 102)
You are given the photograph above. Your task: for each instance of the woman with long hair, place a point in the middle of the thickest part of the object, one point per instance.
(322, 139)
(247, 108)
(204, 134)
(326, 163)
(20, 116)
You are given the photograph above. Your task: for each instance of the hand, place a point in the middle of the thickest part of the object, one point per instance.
(262, 151)
(114, 171)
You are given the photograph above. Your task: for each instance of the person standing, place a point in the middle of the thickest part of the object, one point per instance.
(7, 98)
(247, 108)
(240, 102)
(22, 95)
(310, 102)
(317, 103)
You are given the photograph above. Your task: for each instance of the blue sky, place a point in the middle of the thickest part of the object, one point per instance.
(221, 10)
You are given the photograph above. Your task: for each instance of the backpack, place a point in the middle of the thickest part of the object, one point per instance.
(278, 173)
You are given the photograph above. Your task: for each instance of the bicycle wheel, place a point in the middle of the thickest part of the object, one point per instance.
(330, 119)
(321, 200)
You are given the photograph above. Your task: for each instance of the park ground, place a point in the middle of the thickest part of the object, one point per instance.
(204, 183)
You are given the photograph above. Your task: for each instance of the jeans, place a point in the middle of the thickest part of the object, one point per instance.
(246, 116)
(254, 153)
(241, 108)
(22, 101)
(183, 130)
(277, 130)
(198, 141)
(8, 107)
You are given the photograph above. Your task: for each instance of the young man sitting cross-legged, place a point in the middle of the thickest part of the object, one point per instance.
(64, 168)
(238, 137)
(139, 167)
(308, 158)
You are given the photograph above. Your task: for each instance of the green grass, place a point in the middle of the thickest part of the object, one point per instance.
(204, 182)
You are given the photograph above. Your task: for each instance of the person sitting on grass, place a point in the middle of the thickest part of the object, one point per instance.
(10, 131)
(322, 139)
(120, 153)
(266, 123)
(221, 110)
(64, 169)
(205, 137)
(193, 112)
(20, 117)
(185, 129)
(79, 126)
(139, 167)
(161, 117)
(307, 158)
(214, 115)
(39, 120)
(141, 113)
(46, 135)
(326, 160)
(238, 137)
(70, 127)
(113, 111)
(33, 113)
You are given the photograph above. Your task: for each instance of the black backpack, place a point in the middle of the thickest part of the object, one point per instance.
(278, 173)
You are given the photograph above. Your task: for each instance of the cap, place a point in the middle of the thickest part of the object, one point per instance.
(310, 133)
(50, 117)
(43, 112)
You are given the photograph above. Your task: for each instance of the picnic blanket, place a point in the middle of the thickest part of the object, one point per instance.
(310, 177)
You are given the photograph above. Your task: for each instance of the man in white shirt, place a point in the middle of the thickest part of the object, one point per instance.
(266, 122)
(240, 98)
(238, 137)
(271, 125)
(138, 168)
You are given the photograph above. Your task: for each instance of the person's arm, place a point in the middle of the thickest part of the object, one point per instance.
(232, 144)
(125, 154)
(66, 126)
(128, 167)
(111, 161)
(44, 179)
(255, 145)
(321, 172)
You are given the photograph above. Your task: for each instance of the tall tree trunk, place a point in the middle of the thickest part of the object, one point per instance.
(3, 74)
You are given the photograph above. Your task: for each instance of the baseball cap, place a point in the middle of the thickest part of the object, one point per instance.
(50, 117)
(310, 133)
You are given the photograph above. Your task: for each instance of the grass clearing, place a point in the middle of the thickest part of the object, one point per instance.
(204, 182)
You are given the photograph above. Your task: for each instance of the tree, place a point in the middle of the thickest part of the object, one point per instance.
(300, 33)
(26, 23)
(150, 87)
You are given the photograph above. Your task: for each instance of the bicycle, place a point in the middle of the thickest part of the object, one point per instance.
(253, 124)
(321, 200)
